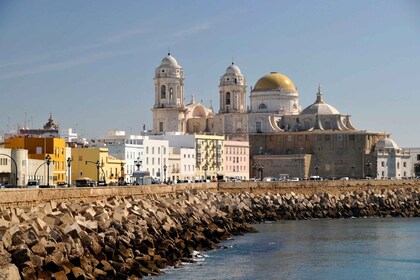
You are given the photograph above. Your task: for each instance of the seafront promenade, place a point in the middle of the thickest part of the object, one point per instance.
(131, 232)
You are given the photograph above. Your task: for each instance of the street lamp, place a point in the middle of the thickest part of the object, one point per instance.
(260, 169)
(48, 161)
(316, 169)
(68, 167)
(16, 177)
(122, 180)
(164, 173)
(98, 165)
(205, 172)
(138, 163)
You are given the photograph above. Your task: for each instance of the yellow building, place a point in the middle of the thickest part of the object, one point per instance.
(41, 148)
(97, 164)
(209, 150)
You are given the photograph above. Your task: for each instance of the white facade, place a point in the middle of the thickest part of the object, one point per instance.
(392, 162)
(156, 154)
(187, 163)
(27, 169)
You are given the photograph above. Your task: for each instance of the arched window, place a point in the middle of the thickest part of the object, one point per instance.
(171, 93)
(262, 106)
(163, 92)
(228, 98)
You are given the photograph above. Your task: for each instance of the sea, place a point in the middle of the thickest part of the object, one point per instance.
(369, 248)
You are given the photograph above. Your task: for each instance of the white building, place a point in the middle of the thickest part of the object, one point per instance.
(392, 162)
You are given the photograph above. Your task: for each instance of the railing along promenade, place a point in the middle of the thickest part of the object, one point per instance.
(22, 196)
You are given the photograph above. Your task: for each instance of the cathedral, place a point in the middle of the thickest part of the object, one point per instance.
(285, 140)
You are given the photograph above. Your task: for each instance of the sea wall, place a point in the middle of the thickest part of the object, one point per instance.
(137, 235)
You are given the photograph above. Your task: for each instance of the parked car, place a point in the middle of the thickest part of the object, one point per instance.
(62, 185)
(32, 184)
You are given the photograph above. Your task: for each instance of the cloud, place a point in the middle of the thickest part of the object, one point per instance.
(66, 64)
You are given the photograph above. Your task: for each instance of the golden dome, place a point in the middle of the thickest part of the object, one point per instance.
(274, 81)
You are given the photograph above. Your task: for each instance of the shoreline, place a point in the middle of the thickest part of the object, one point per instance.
(136, 236)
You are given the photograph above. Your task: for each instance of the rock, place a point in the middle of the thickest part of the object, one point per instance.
(9, 272)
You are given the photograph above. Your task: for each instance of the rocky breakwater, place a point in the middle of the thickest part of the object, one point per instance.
(112, 239)
(133, 237)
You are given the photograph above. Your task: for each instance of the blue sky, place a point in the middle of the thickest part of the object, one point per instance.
(91, 63)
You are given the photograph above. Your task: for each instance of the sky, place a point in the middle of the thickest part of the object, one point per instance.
(91, 63)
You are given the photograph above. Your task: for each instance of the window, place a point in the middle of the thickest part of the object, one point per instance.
(262, 106)
(228, 98)
(163, 92)
(405, 164)
(339, 137)
(383, 163)
(258, 126)
(351, 137)
(160, 126)
(327, 125)
(171, 93)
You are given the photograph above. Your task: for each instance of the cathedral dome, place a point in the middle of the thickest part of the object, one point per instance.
(233, 69)
(169, 60)
(319, 107)
(386, 143)
(274, 81)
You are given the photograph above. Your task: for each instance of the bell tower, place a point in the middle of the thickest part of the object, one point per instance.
(232, 90)
(168, 111)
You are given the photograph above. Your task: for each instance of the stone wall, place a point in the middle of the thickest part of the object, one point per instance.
(20, 197)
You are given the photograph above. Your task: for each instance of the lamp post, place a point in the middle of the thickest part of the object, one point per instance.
(138, 163)
(316, 169)
(164, 173)
(205, 172)
(260, 169)
(98, 165)
(122, 180)
(69, 171)
(16, 177)
(48, 161)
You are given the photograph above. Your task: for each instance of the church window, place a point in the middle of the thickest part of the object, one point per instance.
(404, 164)
(171, 93)
(327, 125)
(258, 126)
(262, 106)
(398, 165)
(160, 126)
(228, 98)
(383, 163)
(236, 81)
(163, 92)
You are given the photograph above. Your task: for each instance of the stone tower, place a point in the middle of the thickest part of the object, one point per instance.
(168, 111)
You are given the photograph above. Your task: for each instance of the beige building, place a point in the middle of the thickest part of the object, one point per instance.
(236, 159)
(284, 139)
(170, 113)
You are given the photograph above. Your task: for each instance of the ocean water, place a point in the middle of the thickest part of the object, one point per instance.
(373, 248)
